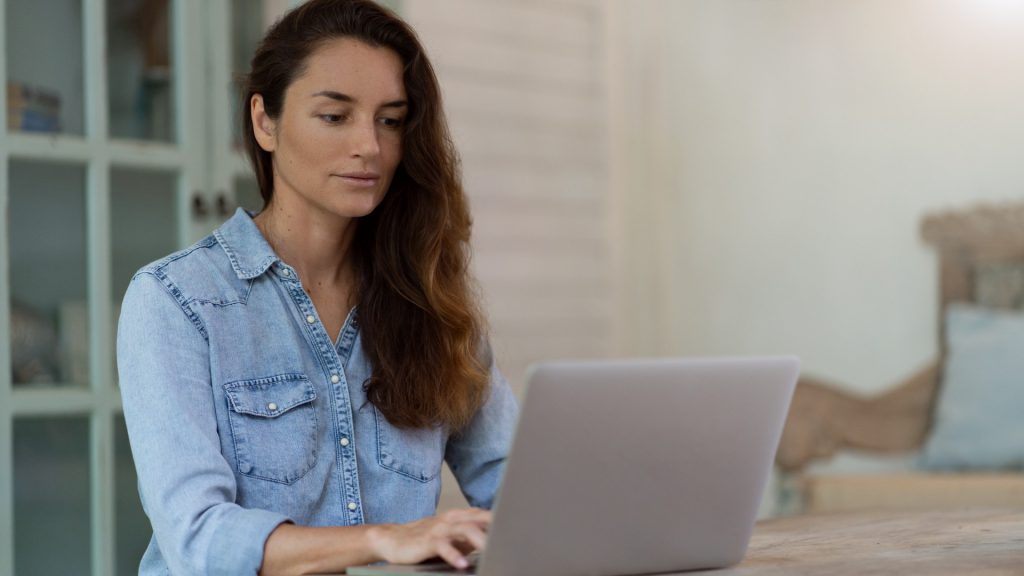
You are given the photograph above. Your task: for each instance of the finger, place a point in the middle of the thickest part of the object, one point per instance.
(471, 534)
(483, 520)
(459, 514)
(482, 515)
(451, 555)
(475, 515)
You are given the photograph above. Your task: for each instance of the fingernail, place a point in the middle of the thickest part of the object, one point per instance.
(461, 563)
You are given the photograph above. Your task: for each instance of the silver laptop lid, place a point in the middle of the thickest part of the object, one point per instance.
(643, 466)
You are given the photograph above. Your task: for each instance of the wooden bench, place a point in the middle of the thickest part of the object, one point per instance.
(824, 419)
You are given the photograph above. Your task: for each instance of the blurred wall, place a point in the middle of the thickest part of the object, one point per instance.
(524, 88)
(773, 158)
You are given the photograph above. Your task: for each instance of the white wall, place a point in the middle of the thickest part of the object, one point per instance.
(774, 158)
(524, 86)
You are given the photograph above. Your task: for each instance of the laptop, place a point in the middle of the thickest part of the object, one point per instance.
(633, 467)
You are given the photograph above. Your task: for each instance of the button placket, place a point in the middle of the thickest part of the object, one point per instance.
(340, 403)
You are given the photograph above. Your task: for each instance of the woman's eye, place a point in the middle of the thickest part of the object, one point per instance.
(331, 118)
(392, 122)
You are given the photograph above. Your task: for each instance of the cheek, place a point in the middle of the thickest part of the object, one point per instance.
(306, 148)
(391, 154)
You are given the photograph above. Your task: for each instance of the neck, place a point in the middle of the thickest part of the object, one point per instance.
(318, 246)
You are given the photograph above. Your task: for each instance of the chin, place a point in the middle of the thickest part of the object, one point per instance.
(358, 209)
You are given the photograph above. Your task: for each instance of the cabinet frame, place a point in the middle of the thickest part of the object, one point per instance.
(99, 154)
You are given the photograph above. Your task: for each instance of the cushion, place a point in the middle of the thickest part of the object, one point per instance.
(999, 284)
(979, 417)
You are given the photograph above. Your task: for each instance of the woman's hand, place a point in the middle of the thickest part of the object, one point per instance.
(450, 535)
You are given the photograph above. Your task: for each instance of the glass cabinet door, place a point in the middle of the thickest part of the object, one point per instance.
(45, 66)
(140, 70)
(52, 517)
(49, 332)
(104, 149)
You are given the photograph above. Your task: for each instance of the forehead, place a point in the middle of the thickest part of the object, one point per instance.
(367, 73)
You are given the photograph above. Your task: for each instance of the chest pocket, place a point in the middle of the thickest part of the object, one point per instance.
(273, 426)
(414, 453)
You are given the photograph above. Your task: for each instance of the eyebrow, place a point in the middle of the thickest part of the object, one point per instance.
(346, 98)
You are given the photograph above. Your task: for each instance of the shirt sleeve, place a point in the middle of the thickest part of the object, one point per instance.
(477, 455)
(187, 487)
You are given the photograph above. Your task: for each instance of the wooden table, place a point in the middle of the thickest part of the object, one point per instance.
(966, 542)
(938, 543)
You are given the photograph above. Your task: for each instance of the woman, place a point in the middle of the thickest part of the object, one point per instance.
(293, 382)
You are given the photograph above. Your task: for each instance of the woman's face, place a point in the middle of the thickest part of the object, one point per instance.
(338, 139)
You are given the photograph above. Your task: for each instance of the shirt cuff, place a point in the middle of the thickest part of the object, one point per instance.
(237, 545)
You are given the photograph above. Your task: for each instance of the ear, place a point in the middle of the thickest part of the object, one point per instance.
(263, 126)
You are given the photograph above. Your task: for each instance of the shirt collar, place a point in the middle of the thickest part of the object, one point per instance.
(248, 251)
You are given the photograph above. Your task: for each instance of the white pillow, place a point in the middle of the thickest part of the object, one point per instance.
(979, 417)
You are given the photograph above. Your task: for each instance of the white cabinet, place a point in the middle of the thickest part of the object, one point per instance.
(118, 148)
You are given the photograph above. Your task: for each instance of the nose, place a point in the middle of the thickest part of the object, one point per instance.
(364, 141)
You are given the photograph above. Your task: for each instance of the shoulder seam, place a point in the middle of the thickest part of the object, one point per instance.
(179, 298)
(162, 263)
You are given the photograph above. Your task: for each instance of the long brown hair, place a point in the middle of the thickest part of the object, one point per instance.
(418, 313)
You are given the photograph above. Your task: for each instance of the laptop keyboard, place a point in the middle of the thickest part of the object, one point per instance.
(446, 568)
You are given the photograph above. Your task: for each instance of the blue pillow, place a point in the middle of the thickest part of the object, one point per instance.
(979, 417)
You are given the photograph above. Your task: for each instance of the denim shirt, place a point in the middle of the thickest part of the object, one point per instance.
(243, 413)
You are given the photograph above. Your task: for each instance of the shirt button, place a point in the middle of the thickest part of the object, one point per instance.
(344, 441)
(335, 379)
(310, 319)
(271, 406)
(352, 506)
(286, 272)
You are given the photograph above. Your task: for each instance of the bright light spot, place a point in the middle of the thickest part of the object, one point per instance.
(997, 7)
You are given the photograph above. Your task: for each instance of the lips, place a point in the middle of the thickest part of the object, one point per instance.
(360, 178)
